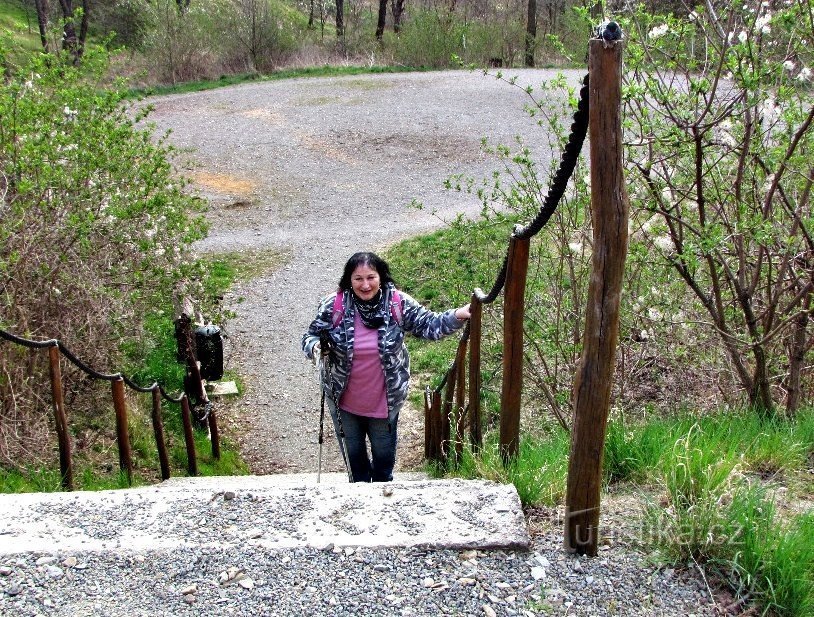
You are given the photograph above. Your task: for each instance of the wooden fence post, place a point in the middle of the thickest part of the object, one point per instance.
(158, 431)
(460, 403)
(189, 438)
(427, 423)
(513, 312)
(60, 419)
(593, 380)
(475, 321)
(122, 435)
(214, 435)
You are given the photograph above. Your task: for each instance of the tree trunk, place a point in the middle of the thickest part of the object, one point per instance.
(797, 356)
(42, 21)
(340, 18)
(382, 19)
(311, 16)
(398, 9)
(70, 41)
(531, 33)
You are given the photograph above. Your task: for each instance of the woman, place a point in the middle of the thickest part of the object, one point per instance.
(369, 368)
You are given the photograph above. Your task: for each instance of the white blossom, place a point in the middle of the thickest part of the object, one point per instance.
(658, 31)
(788, 65)
(693, 16)
(743, 36)
(762, 23)
(804, 74)
(727, 137)
(654, 314)
(575, 247)
(644, 335)
(664, 243)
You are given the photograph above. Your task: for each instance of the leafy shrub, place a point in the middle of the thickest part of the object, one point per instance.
(94, 234)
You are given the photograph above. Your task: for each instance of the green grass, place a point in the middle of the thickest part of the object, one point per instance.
(714, 483)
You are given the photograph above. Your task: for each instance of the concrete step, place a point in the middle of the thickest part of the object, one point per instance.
(274, 512)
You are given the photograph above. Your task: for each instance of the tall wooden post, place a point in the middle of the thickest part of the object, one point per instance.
(593, 380)
(460, 403)
(513, 312)
(189, 438)
(158, 431)
(475, 425)
(60, 420)
(122, 436)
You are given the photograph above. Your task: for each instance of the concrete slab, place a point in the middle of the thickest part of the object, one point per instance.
(267, 511)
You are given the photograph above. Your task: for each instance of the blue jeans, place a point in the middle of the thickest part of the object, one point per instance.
(378, 467)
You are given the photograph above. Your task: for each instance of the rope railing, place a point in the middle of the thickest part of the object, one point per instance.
(441, 413)
(57, 349)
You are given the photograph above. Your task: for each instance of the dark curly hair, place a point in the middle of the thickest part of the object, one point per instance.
(365, 259)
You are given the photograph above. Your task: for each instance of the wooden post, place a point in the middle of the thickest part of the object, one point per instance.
(427, 423)
(447, 414)
(513, 313)
(460, 391)
(158, 431)
(475, 425)
(122, 435)
(60, 420)
(213, 434)
(438, 427)
(593, 380)
(189, 438)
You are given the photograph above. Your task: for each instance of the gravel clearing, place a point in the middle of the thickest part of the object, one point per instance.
(316, 169)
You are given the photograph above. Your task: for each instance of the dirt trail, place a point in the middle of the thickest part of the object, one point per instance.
(318, 169)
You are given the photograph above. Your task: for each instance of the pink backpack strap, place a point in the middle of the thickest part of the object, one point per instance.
(395, 306)
(339, 308)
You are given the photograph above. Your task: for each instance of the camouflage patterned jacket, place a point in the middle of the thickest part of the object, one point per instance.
(415, 319)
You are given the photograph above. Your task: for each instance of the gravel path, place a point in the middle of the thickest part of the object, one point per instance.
(319, 169)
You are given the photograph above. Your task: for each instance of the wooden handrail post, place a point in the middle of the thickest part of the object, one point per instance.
(213, 434)
(189, 438)
(460, 403)
(513, 313)
(438, 427)
(158, 431)
(594, 375)
(447, 414)
(427, 423)
(60, 420)
(122, 434)
(475, 321)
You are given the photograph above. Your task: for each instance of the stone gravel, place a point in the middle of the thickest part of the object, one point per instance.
(347, 581)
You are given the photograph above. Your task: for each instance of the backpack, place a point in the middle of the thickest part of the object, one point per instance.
(339, 307)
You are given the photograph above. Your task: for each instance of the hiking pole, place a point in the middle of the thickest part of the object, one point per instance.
(325, 344)
(321, 427)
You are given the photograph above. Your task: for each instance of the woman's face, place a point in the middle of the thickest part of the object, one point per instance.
(365, 282)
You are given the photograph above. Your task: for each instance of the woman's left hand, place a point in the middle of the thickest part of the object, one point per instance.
(463, 312)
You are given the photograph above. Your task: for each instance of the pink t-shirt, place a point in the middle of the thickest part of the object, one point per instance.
(365, 394)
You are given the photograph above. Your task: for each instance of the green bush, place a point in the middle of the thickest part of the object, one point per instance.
(94, 234)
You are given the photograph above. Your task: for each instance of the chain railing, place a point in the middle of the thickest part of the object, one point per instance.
(118, 381)
(446, 405)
